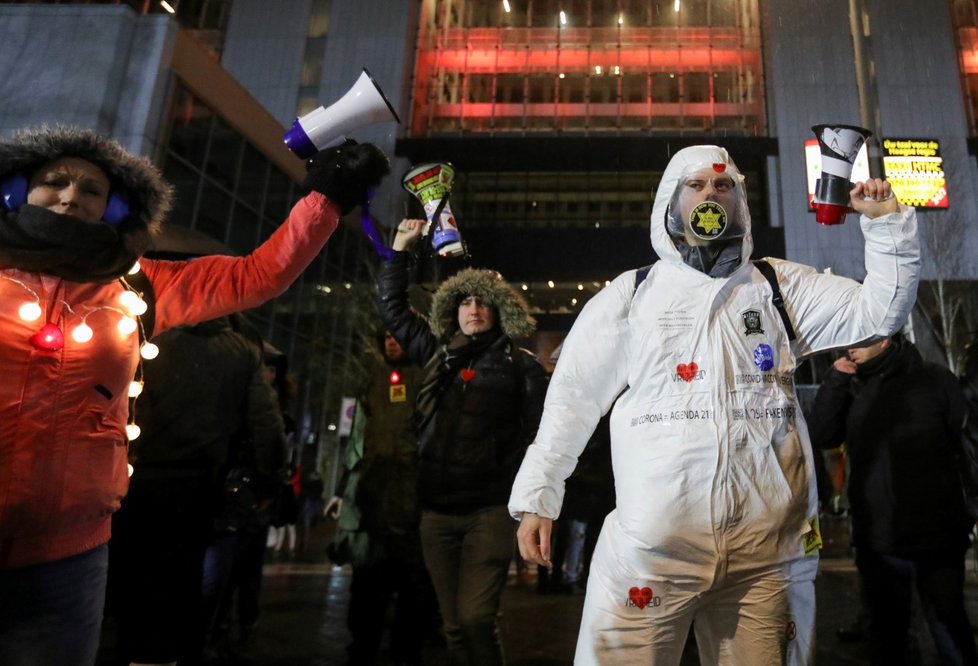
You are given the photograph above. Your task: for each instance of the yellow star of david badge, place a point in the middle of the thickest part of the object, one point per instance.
(709, 221)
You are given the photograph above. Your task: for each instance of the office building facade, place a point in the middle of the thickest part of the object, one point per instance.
(559, 117)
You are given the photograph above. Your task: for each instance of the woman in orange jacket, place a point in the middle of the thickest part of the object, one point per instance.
(78, 211)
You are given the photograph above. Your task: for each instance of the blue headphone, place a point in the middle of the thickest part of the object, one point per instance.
(13, 194)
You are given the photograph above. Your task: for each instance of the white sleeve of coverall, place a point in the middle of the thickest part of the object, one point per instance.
(591, 372)
(830, 311)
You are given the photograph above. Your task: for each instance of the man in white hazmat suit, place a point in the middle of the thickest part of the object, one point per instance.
(716, 506)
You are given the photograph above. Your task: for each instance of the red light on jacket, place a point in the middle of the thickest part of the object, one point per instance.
(395, 377)
(49, 338)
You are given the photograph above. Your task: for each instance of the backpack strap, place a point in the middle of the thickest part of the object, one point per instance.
(641, 274)
(139, 283)
(767, 270)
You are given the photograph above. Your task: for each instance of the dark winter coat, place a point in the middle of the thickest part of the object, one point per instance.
(969, 386)
(380, 513)
(207, 408)
(901, 419)
(486, 416)
(384, 460)
(206, 390)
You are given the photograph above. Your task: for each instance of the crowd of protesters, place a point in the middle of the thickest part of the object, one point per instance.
(462, 445)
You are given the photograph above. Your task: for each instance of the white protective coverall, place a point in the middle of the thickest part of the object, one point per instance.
(716, 503)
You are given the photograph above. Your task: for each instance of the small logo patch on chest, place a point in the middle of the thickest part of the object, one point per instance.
(752, 322)
(764, 357)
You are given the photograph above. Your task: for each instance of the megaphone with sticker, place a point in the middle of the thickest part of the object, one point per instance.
(431, 184)
(838, 145)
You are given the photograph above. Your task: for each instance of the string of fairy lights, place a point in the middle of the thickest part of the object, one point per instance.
(50, 337)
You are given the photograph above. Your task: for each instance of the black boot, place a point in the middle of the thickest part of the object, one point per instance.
(482, 644)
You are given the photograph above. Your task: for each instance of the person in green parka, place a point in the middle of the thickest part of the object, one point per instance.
(378, 515)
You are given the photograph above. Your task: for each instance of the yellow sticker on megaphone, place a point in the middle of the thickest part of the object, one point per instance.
(429, 181)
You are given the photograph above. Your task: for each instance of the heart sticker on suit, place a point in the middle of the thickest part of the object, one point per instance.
(640, 597)
(467, 374)
(687, 372)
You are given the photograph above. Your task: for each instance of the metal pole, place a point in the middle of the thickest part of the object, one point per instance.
(869, 110)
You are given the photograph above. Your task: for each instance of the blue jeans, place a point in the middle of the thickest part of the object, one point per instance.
(51, 613)
(219, 563)
(574, 551)
(888, 582)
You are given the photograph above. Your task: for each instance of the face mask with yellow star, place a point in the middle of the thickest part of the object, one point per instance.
(708, 220)
(708, 209)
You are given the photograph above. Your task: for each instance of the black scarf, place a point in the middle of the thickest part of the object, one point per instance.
(36, 239)
(896, 358)
(442, 368)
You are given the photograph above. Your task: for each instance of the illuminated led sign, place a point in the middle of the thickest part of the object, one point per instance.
(916, 171)
(813, 166)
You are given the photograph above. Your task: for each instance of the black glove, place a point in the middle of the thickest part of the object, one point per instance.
(345, 173)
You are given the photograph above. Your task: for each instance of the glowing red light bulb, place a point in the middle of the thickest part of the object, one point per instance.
(49, 338)
(395, 377)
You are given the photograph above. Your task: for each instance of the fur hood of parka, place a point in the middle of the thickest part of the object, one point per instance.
(682, 164)
(512, 311)
(148, 194)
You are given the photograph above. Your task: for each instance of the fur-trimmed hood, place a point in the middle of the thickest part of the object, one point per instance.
(489, 286)
(149, 195)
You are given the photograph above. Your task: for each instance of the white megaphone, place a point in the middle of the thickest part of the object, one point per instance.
(838, 145)
(432, 184)
(321, 128)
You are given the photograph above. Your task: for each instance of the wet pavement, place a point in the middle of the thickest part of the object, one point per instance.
(304, 602)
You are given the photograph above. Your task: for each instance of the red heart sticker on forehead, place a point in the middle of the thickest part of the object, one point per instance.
(719, 167)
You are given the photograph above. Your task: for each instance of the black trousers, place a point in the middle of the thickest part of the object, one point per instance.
(888, 582)
(373, 588)
(156, 560)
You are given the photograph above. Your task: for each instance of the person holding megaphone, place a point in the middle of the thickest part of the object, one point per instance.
(715, 527)
(477, 410)
(76, 297)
